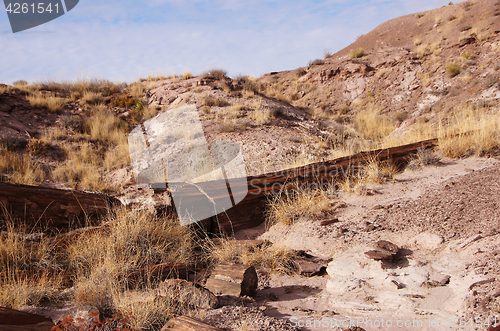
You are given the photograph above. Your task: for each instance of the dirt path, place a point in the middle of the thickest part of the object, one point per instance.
(445, 217)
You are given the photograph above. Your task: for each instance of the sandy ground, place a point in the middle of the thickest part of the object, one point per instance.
(444, 218)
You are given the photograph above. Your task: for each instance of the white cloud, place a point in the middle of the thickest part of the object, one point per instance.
(241, 36)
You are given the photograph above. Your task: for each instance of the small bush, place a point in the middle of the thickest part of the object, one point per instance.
(124, 101)
(372, 125)
(211, 101)
(216, 74)
(91, 98)
(74, 122)
(316, 62)
(20, 168)
(262, 117)
(357, 53)
(36, 147)
(422, 158)
(453, 69)
(467, 55)
(187, 75)
(247, 83)
(401, 116)
(53, 104)
(20, 83)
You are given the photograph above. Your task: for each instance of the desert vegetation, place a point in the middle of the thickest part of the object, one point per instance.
(424, 86)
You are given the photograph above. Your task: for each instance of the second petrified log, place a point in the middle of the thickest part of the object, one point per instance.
(233, 279)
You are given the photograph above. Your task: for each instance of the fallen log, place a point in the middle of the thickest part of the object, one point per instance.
(11, 319)
(49, 208)
(185, 323)
(66, 277)
(233, 279)
(159, 271)
(250, 212)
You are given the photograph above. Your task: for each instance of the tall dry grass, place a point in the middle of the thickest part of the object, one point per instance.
(271, 256)
(21, 252)
(21, 168)
(132, 240)
(52, 103)
(293, 205)
(470, 131)
(102, 260)
(372, 125)
(262, 116)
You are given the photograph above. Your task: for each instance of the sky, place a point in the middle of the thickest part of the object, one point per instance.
(125, 40)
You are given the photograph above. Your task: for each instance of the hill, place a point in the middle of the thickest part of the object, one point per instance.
(434, 74)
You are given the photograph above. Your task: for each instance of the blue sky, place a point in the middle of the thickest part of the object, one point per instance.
(124, 40)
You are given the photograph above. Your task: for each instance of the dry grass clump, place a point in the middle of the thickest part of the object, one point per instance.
(471, 131)
(274, 257)
(137, 90)
(128, 243)
(215, 73)
(105, 126)
(289, 206)
(17, 254)
(20, 168)
(453, 69)
(36, 147)
(4, 88)
(356, 53)
(90, 97)
(187, 75)
(247, 83)
(423, 158)
(211, 101)
(316, 62)
(262, 116)
(131, 241)
(378, 171)
(372, 125)
(40, 100)
(104, 148)
(81, 168)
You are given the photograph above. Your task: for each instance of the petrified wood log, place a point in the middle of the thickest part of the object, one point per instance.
(52, 208)
(66, 277)
(384, 251)
(250, 212)
(11, 320)
(184, 323)
(233, 279)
